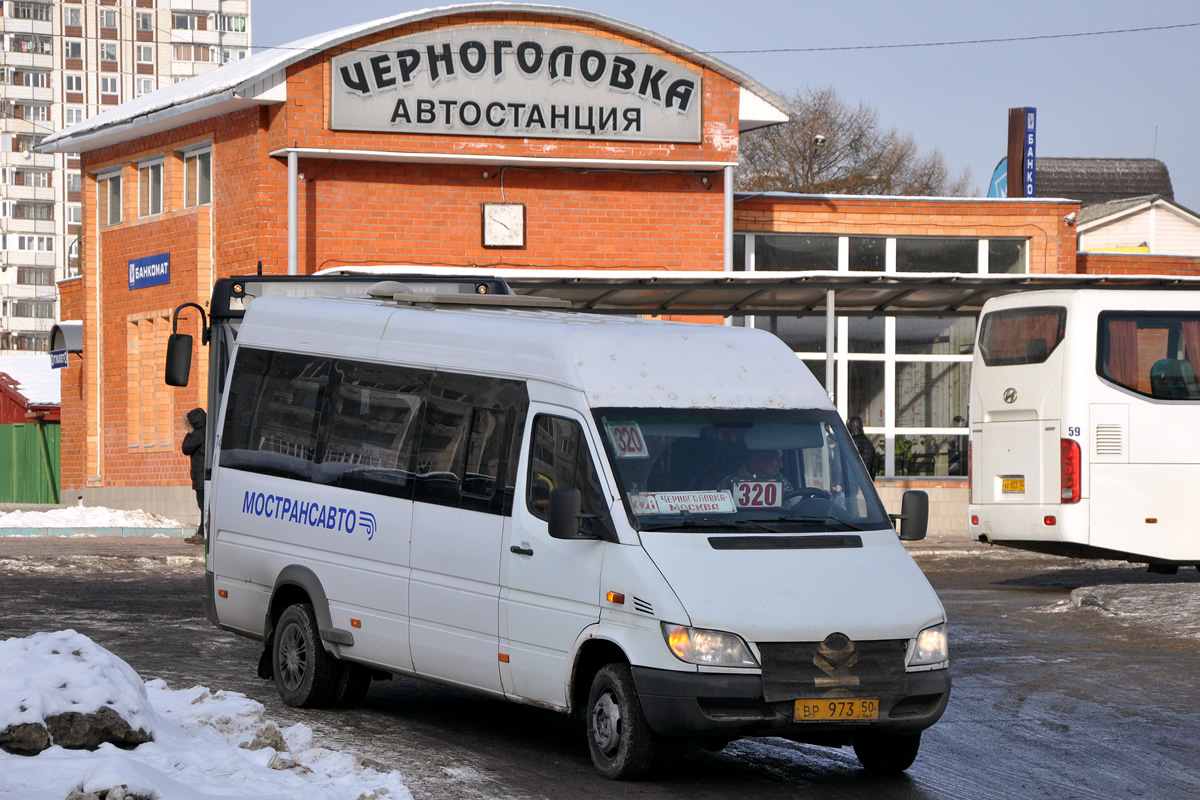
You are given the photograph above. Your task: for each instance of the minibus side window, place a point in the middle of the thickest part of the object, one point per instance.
(465, 454)
(273, 412)
(559, 459)
(1015, 336)
(369, 438)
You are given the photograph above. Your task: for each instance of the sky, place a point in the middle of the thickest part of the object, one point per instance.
(1118, 95)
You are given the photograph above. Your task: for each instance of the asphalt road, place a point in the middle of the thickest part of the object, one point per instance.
(1051, 699)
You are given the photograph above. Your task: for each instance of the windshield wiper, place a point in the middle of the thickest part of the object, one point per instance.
(687, 520)
(824, 519)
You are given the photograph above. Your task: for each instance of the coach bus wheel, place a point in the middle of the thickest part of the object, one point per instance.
(306, 676)
(621, 743)
(883, 752)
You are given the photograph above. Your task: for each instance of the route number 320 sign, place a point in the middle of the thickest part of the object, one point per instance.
(626, 439)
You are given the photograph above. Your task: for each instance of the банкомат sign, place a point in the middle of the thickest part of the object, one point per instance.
(512, 80)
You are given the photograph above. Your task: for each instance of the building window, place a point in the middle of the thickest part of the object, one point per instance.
(197, 179)
(150, 189)
(74, 181)
(108, 51)
(795, 252)
(934, 254)
(33, 78)
(74, 214)
(74, 83)
(73, 17)
(26, 10)
(184, 22)
(192, 52)
(108, 18)
(228, 56)
(33, 113)
(73, 48)
(35, 276)
(108, 199)
(145, 21)
(108, 84)
(1007, 256)
(74, 116)
(231, 23)
(34, 308)
(868, 254)
(30, 210)
(145, 85)
(145, 53)
(31, 43)
(31, 177)
(35, 244)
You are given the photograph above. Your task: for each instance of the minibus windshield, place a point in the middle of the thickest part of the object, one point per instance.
(714, 470)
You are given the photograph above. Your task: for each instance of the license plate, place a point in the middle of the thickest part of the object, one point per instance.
(1012, 485)
(829, 709)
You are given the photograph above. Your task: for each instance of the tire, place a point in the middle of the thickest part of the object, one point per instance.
(621, 742)
(886, 752)
(355, 681)
(305, 675)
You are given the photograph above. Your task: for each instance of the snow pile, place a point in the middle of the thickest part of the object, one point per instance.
(205, 744)
(86, 517)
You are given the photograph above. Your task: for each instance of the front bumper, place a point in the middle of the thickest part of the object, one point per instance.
(705, 705)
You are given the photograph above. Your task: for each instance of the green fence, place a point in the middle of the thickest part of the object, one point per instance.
(29, 463)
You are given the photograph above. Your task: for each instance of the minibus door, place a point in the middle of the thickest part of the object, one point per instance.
(550, 588)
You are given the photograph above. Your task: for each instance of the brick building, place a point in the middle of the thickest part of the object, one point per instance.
(492, 136)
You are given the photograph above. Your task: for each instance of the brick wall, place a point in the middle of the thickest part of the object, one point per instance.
(1137, 264)
(1052, 243)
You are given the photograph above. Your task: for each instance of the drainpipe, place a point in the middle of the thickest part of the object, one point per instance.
(729, 219)
(293, 211)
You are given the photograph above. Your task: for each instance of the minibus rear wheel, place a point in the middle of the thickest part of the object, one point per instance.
(305, 675)
(886, 752)
(621, 742)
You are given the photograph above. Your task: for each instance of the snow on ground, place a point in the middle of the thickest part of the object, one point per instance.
(206, 743)
(86, 517)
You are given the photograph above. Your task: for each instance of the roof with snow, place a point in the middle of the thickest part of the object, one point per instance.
(261, 79)
(32, 377)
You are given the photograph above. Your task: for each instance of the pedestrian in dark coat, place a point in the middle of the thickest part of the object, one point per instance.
(866, 449)
(193, 447)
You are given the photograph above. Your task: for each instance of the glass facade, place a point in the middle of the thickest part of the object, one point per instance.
(907, 377)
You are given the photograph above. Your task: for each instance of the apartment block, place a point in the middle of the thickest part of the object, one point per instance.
(60, 63)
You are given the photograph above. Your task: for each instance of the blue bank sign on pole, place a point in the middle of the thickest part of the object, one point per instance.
(150, 271)
(1029, 167)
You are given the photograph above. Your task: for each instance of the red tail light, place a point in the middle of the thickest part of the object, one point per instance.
(1070, 470)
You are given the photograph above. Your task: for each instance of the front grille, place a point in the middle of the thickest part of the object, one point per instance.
(836, 667)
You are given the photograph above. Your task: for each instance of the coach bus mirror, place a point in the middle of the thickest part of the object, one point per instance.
(913, 516)
(179, 359)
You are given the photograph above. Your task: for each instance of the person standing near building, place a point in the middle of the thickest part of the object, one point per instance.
(193, 447)
(866, 449)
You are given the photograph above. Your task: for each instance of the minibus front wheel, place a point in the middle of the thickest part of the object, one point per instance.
(621, 742)
(305, 675)
(887, 752)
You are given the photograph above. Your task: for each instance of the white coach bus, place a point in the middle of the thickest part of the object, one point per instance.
(648, 524)
(1085, 424)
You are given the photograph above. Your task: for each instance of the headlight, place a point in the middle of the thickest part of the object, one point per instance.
(709, 648)
(930, 648)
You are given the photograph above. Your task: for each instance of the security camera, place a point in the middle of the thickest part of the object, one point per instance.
(819, 140)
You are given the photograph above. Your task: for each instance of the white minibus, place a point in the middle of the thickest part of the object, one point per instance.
(1085, 424)
(662, 528)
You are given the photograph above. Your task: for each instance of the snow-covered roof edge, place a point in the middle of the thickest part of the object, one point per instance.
(236, 82)
(36, 380)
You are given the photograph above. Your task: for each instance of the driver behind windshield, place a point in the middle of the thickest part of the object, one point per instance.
(760, 465)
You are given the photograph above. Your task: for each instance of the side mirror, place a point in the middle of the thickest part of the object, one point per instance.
(179, 359)
(566, 508)
(913, 516)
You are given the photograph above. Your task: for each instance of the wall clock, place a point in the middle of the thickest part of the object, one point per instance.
(503, 225)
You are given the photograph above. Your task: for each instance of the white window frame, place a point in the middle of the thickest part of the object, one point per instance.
(108, 48)
(197, 186)
(105, 182)
(73, 83)
(150, 188)
(73, 17)
(108, 18)
(110, 81)
(73, 44)
(145, 85)
(73, 115)
(145, 21)
(145, 53)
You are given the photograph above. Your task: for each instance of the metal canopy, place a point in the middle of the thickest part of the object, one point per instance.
(784, 293)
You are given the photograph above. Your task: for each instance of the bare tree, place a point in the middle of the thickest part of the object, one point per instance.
(831, 148)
